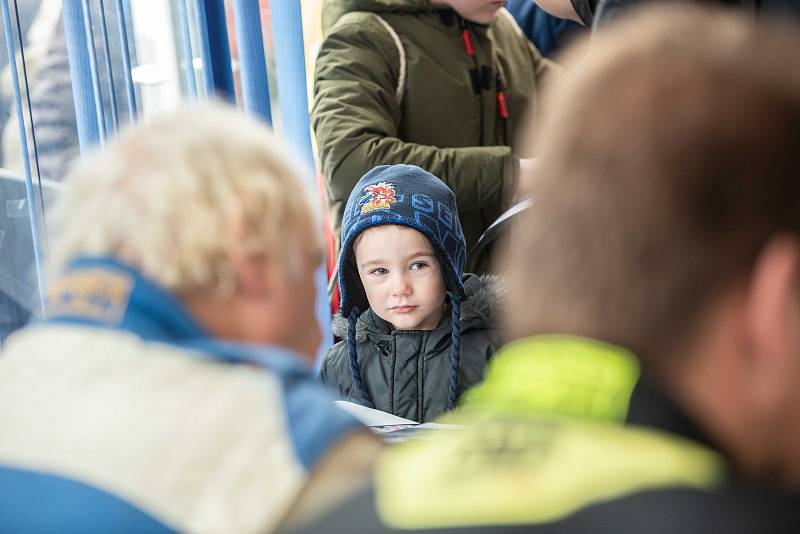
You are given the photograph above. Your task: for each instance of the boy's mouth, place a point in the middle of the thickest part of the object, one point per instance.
(403, 309)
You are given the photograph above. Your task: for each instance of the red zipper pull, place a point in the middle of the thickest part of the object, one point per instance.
(467, 42)
(502, 107)
(466, 37)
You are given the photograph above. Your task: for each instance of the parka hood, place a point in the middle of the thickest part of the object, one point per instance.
(485, 296)
(333, 10)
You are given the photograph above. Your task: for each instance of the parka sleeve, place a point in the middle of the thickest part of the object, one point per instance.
(545, 70)
(356, 117)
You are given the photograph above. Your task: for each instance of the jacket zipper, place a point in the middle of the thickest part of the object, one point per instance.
(476, 76)
(474, 72)
(502, 107)
(421, 374)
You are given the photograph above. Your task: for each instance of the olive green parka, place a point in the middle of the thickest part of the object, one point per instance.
(394, 85)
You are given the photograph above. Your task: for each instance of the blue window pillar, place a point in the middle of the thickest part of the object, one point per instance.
(290, 68)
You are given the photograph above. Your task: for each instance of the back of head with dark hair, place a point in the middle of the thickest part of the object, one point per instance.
(670, 156)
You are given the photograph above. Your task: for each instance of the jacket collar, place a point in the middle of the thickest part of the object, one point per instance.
(559, 375)
(105, 292)
(577, 377)
(370, 327)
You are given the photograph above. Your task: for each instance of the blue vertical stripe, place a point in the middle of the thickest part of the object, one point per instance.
(23, 137)
(252, 63)
(201, 23)
(33, 126)
(217, 33)
(186, 46)
(111, 91)
(290, 68)
(82, 90)
(126, 60)
(88, 42)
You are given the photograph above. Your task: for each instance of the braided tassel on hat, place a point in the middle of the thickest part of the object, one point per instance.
(355, 372)
(455, 351)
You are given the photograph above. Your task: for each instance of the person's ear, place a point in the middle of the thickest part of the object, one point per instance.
(253, 274)
(773, 306)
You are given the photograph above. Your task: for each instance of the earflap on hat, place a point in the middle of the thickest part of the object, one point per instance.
(350, 286)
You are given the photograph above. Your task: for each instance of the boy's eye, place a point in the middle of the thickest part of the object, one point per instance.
(379, 271)
(417, 265)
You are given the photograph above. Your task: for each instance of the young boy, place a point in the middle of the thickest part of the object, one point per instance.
(418, 333)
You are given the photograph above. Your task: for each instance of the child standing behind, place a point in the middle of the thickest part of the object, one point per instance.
(443, 84)
(418, 333)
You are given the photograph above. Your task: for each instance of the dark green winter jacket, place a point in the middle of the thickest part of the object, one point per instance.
(393, 85)
(407, 372)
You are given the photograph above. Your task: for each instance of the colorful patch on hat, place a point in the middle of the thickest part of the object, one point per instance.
(382, 196)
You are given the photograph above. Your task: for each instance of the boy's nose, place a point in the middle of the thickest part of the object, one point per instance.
(400, 286)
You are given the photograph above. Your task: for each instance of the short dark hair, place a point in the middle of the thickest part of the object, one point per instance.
(670, 155)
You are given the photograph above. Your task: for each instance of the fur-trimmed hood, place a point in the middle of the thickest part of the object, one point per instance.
(486, 295)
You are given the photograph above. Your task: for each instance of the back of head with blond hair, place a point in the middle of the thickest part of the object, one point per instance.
(177, 196)
(670, 156)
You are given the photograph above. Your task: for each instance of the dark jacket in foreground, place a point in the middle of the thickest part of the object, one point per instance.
(407, 371)
(564, 437)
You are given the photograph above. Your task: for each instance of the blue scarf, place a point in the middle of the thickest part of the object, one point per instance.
(106, 293)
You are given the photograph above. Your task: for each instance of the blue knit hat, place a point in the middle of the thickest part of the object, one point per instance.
(408, 196)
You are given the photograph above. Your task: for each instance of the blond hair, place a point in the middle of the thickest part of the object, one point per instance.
(177, 196)
(669, 157)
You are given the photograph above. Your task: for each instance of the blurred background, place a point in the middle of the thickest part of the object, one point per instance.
(134, 58)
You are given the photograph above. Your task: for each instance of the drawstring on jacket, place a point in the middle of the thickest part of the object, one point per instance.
(455, 350)
(355, 372)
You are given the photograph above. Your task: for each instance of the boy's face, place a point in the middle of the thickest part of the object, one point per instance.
(401, 276)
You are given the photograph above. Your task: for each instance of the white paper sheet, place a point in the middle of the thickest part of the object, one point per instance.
(371, 416)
